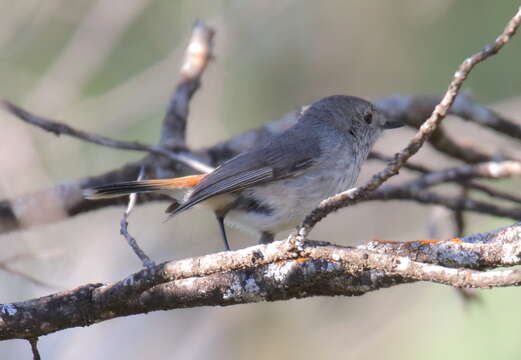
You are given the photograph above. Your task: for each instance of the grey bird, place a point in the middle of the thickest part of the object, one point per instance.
(273, 186)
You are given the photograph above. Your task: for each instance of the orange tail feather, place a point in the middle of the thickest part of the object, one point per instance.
(129, 187)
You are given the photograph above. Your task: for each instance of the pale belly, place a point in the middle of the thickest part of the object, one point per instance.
(291, 200)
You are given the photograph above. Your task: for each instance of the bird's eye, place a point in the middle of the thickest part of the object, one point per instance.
(368, 118)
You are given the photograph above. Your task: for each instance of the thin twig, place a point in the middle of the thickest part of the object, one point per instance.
(59, 128)
(463, 180)
(494, 193)
(459, 216)
(373, 155)
(451, 202)
(472, 111)
(34, 347)
(5, 264)
(352, 196)
(468, 295)
(488, 170)
(27, 277)
(145, 260)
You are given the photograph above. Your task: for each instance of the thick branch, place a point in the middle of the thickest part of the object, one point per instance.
(268, 273)
(63, 200)
(198, 54)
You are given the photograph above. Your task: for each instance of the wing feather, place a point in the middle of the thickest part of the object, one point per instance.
(286, 155)
(227, 185)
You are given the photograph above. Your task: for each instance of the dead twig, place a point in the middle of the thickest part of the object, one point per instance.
(145, 260)
(34, 348)
(198, 54)
(456, 203)
(6, 265)
(488, 170)
(58, 128)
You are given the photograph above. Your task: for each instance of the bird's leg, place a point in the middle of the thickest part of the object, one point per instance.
(220, 220)
(266, 237)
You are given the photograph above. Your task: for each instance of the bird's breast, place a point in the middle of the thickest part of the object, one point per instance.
(283, 204)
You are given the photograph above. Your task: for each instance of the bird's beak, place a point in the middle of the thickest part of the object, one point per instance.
(392, 124)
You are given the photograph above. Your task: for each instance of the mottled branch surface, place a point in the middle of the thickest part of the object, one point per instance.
(273, 272)
(282, 270)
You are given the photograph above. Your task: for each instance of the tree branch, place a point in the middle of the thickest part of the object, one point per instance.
(198, 54)
(352, 196)
(460, 203)
(489, 170)
(269, 273)
(34, 348)
(413, 110)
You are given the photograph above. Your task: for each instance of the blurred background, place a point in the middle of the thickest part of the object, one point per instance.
(109, 67)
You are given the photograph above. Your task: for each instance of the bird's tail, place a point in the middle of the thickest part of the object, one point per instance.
(177, 186)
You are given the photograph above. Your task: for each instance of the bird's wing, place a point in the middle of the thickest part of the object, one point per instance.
(286, 155)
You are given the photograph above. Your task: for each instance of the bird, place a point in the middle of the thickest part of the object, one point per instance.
(272, 186)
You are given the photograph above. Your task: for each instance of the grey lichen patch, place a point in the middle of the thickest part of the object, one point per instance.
(251, 286)
(506, 234)
(8, 309)
(331, 267)
(449, 255)
(308, 268)
(244, 290)
(129, 281)
(280, 272)
(510, 254)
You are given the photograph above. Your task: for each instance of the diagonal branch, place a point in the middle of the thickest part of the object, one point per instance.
(352, 196)
(489, 170)
(59, 128)
(465, 108)
(494, 193)
(474, 112)
(198, 54)
(32, 279)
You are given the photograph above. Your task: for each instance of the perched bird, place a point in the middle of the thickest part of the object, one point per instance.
(273, 186)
